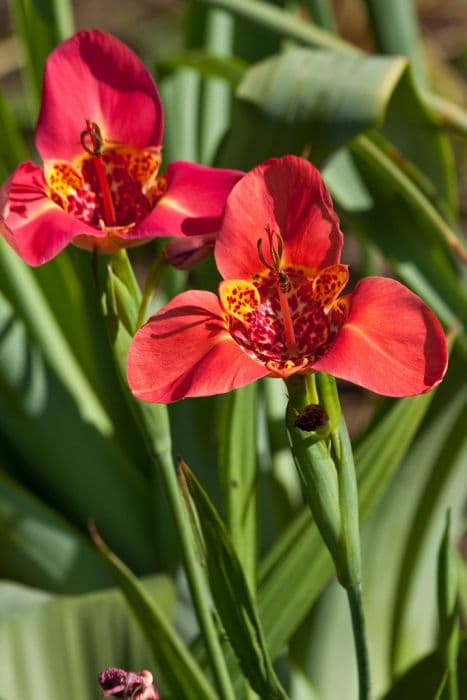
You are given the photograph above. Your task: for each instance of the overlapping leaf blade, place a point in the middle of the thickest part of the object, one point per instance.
(231, 594)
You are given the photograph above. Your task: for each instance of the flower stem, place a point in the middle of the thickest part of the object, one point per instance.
(354, 596)
(152, 280)
(326, 467)
(154, 422)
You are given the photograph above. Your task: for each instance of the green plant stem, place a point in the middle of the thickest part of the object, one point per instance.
(354, 596)
(448, 633)
(452, 687)
(327, 472)
(152, 280)
(154, 422)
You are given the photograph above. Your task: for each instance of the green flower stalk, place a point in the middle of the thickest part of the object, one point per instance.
(448, 633)
(323, 456)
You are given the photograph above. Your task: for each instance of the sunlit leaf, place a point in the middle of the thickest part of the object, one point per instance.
(55, 648)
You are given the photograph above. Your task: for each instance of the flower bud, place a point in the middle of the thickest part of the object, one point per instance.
(118, 683)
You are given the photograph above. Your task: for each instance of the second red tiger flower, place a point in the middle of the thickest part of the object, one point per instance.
(99, 135)
(279, 310)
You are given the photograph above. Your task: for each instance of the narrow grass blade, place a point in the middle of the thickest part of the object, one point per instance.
(231, 593)
(181, 673)
(238, 475)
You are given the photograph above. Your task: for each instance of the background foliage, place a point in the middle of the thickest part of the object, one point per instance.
(355, 86)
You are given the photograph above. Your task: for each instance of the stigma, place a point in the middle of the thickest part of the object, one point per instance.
(276, 250)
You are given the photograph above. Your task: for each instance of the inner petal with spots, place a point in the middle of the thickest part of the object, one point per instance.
(114, 190)
(254, 316)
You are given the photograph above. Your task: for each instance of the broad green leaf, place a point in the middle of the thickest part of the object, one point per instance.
(286, 25)
(40, 549)
(182, 675)
(438, 485)
(24, 294)
(70, 284)
(15, 598)
(424, 679)
(55, 648)
(303, 99)
(230, 591)
(69, 463)
(425, 143)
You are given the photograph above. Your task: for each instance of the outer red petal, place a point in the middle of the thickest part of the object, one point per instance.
(289, 196)
(184, 350)
(31, 223)
(94, 76)
(391, 342)
(193, 203)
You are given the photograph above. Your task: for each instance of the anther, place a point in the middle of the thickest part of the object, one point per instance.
(91, 139)
(276, 251)
(93, 143)
(276, 255)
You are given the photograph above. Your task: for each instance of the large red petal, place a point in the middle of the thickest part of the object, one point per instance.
(184, 350)
(287, 195)
(193, 203)
(94, 76)
(32, 224)
(391, 342)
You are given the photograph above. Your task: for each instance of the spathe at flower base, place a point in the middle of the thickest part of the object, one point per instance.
(99, 134)
(279, 310)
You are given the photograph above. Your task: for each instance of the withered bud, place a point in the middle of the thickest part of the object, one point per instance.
(311, 418)
(118, 683)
